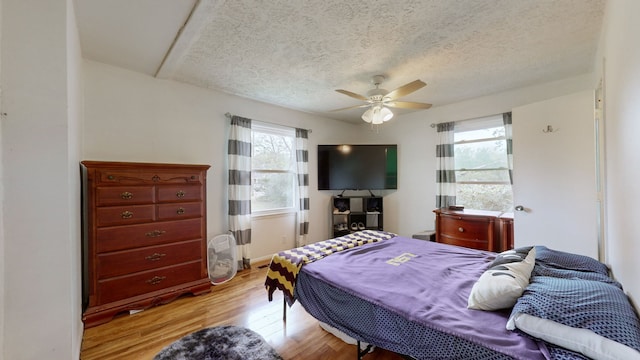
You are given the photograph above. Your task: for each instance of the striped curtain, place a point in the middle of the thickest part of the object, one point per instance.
(508, 133)
(239, 157)
(445, 165)
(302, 161)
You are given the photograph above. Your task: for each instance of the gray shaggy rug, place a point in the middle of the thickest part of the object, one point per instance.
(221, 342)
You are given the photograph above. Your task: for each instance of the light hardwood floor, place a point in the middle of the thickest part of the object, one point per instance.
(241, 301)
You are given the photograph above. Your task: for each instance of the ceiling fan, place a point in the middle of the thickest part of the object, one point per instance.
(380, 100)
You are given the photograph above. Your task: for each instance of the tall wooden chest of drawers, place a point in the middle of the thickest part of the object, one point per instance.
(144, 240)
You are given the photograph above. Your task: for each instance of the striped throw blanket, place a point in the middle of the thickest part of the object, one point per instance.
(286, 265)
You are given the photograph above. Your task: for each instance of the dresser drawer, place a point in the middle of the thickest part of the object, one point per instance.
(179, 193)
(181, 177)
(121, 195)
(123, 287)
(125, 215)
(465, 242)
(118, 176)
(131, 261)
(135, 236)
(180, 211)
(467, 228)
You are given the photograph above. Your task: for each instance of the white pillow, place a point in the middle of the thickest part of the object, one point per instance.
(502, 284)
(583, 341)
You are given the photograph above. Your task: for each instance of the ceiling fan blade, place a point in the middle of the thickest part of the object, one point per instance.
(407, 105)
(405, 89)
(352, 94)
(351, 107)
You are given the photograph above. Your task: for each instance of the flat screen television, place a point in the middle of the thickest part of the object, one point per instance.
(357, 167)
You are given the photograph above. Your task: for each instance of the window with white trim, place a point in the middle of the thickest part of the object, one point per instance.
(273, 169)
(481, 166)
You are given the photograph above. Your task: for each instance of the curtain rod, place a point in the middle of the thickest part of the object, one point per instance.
(468, 119)
(229, 115)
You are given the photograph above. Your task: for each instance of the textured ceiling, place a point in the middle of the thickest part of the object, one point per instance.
(296, 53)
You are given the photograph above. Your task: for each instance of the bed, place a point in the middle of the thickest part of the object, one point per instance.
(426, 300)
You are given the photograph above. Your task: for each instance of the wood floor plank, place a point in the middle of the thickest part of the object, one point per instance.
(241, 301)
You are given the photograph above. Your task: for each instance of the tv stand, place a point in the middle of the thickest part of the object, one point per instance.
(355, 213)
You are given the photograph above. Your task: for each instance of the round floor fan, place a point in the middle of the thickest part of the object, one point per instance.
(222, 259)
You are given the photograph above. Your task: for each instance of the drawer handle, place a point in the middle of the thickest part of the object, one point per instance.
(111, 177)
(126, 195)
(180, 194)
(126, 215)
(155, 233)
(180, 211)
(155, 257)
(156, 280)
(461, 229)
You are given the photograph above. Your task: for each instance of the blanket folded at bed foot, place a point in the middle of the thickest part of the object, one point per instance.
(286, 265)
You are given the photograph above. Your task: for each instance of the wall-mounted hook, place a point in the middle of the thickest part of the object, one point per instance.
(549, 129)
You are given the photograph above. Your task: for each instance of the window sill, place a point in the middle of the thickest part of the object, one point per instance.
(273, 213)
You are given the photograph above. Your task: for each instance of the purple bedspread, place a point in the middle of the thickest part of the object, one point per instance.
(427, 283)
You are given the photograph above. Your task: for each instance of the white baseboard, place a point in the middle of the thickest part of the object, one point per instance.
(261, 259)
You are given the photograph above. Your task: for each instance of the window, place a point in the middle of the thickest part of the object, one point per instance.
(482, 171)
(273, 169)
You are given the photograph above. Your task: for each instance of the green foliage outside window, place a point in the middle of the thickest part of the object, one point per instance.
(273, 174)
(482, 173)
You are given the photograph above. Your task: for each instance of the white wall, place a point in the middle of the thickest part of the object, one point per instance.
(134, 117)
(280, 233)
(409, 210)
(2, 256)
(622, 126)
(40, 137)
(75, 101)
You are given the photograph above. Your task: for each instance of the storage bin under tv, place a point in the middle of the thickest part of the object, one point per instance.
(355, 213)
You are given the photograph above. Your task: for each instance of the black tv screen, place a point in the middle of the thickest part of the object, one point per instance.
(357, 167)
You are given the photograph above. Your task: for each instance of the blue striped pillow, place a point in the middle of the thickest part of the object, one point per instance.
(599, 307)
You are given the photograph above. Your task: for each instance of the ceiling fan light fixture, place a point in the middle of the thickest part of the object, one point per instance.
(368, 115)
(386, 114)
(377, 115)
(379, 100)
